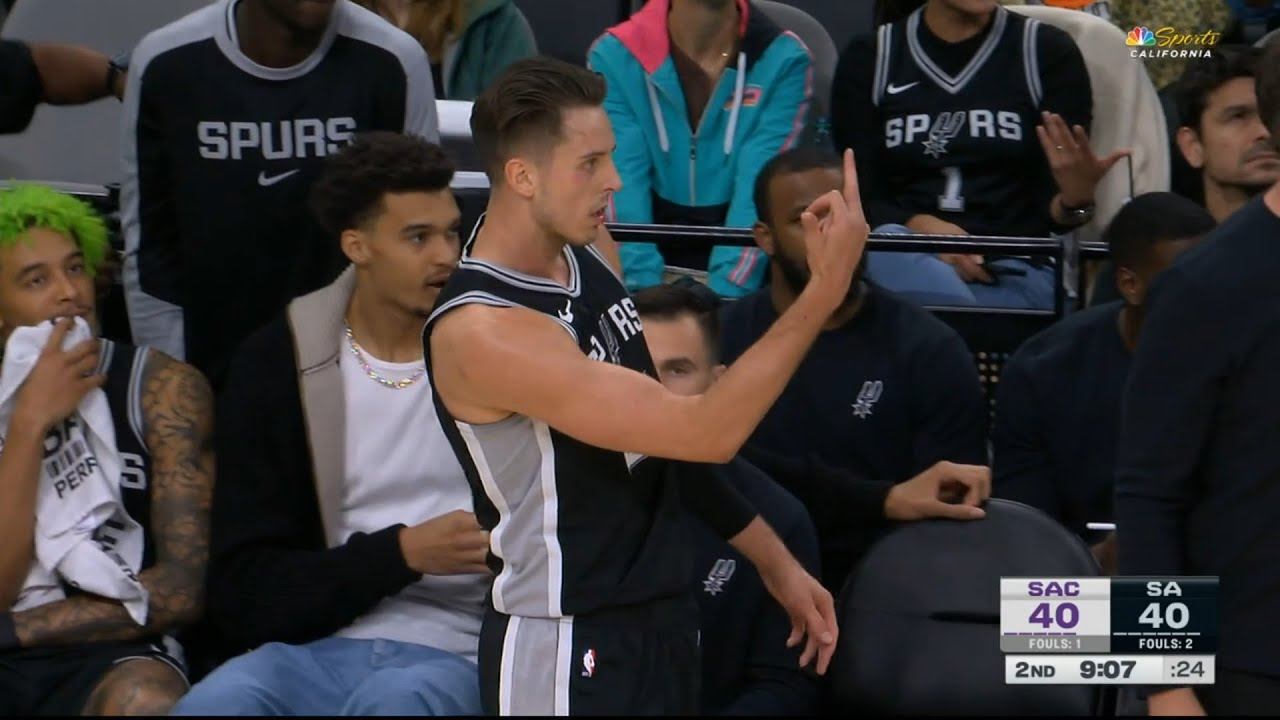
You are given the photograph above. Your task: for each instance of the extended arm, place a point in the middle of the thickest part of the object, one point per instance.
(476, 346)
(773, 683)
(177, 410)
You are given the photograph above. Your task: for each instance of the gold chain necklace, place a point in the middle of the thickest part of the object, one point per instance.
(364, 365)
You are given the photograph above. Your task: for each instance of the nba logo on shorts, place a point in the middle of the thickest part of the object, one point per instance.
(589, 663)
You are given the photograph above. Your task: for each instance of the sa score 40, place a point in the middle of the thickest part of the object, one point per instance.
(1156, 615)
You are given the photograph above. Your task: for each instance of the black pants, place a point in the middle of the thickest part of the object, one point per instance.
(641, 660)
(1238, 693)
(59, 680)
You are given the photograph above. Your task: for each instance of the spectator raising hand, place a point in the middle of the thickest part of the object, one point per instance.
(1075, 167)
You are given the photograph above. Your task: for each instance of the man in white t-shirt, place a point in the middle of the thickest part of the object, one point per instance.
(347, 570)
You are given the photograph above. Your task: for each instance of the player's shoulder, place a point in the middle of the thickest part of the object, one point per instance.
(1060, 344)
(173, 389)
(363, 25)
(470, 323)
(195, 27)
(913, 325)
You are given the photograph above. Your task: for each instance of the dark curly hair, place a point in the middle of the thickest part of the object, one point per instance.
(354, 180)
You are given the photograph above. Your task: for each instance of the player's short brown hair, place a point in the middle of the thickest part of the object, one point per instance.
(524, 107)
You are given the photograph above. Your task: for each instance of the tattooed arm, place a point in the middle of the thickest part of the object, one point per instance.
(177, 410)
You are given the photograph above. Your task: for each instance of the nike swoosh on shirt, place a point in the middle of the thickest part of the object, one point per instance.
(895, 89)
(268, 180)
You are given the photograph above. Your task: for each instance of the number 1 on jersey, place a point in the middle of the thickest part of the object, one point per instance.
(952, 198)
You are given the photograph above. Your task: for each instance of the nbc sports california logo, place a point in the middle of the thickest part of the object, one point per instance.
(1168, 42)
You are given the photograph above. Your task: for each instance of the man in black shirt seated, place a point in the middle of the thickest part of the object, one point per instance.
(1197, 470)
(887, 392)
(1058, 408)
(746, 667)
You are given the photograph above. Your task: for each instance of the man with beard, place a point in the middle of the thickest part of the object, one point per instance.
(1222, 135)
(886, 393)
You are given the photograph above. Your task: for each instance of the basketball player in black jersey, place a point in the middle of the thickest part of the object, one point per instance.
(968, 119)
(548, 395)
(85, 654)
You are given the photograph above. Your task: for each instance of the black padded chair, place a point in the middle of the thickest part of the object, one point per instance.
(919, 618)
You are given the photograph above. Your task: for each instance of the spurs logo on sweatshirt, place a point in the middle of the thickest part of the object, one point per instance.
(720, 574)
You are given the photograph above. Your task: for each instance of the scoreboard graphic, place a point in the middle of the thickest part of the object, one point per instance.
(1118, 630)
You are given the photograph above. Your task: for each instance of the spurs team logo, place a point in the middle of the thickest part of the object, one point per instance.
(867, 398)
(623, 318)
(295, 139)
(946, 126)
(936, 131)
(719, 575)
(589, 663)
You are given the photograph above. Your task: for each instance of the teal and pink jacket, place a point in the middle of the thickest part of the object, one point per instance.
(674, 174)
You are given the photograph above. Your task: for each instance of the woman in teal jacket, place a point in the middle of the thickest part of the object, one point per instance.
(673, 173)
(469, 42)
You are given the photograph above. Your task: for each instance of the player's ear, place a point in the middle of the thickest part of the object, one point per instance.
(355, 246)
(521, 176)
(1130, 286)
(1190, 147)
(764, 238)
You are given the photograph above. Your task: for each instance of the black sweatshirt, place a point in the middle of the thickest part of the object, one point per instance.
(874, 403)
(747, 669)
(858, 123)
(271, 576)
(1057, 415)
(1198, 479)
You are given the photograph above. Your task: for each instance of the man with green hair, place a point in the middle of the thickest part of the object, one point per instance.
(65, 651)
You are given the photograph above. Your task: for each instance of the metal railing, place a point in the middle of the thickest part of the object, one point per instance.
(1066, 268)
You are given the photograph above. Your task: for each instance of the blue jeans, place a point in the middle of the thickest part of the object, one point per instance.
(924, 278)
(338, 676)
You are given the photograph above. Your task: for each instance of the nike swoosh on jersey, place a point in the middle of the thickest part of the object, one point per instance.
(895, 89)
(268, 180)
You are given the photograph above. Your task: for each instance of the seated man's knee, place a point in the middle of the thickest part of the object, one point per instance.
(435, 688)
(241, 686)
(137, 687)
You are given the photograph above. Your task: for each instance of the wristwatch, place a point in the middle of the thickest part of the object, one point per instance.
(116, 66)
(1077, 215)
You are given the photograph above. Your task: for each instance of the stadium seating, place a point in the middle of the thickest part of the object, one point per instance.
(1126, 112)
(823, 50)
(79, 144)
(919, 618)
(565, 29)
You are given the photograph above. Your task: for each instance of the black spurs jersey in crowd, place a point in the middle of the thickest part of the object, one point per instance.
(962, 145)
(220, 153)
(575, 528)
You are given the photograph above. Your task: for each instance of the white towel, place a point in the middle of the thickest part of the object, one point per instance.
(83, 535)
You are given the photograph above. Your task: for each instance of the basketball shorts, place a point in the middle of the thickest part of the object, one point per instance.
(59, 680)
(640, 660)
